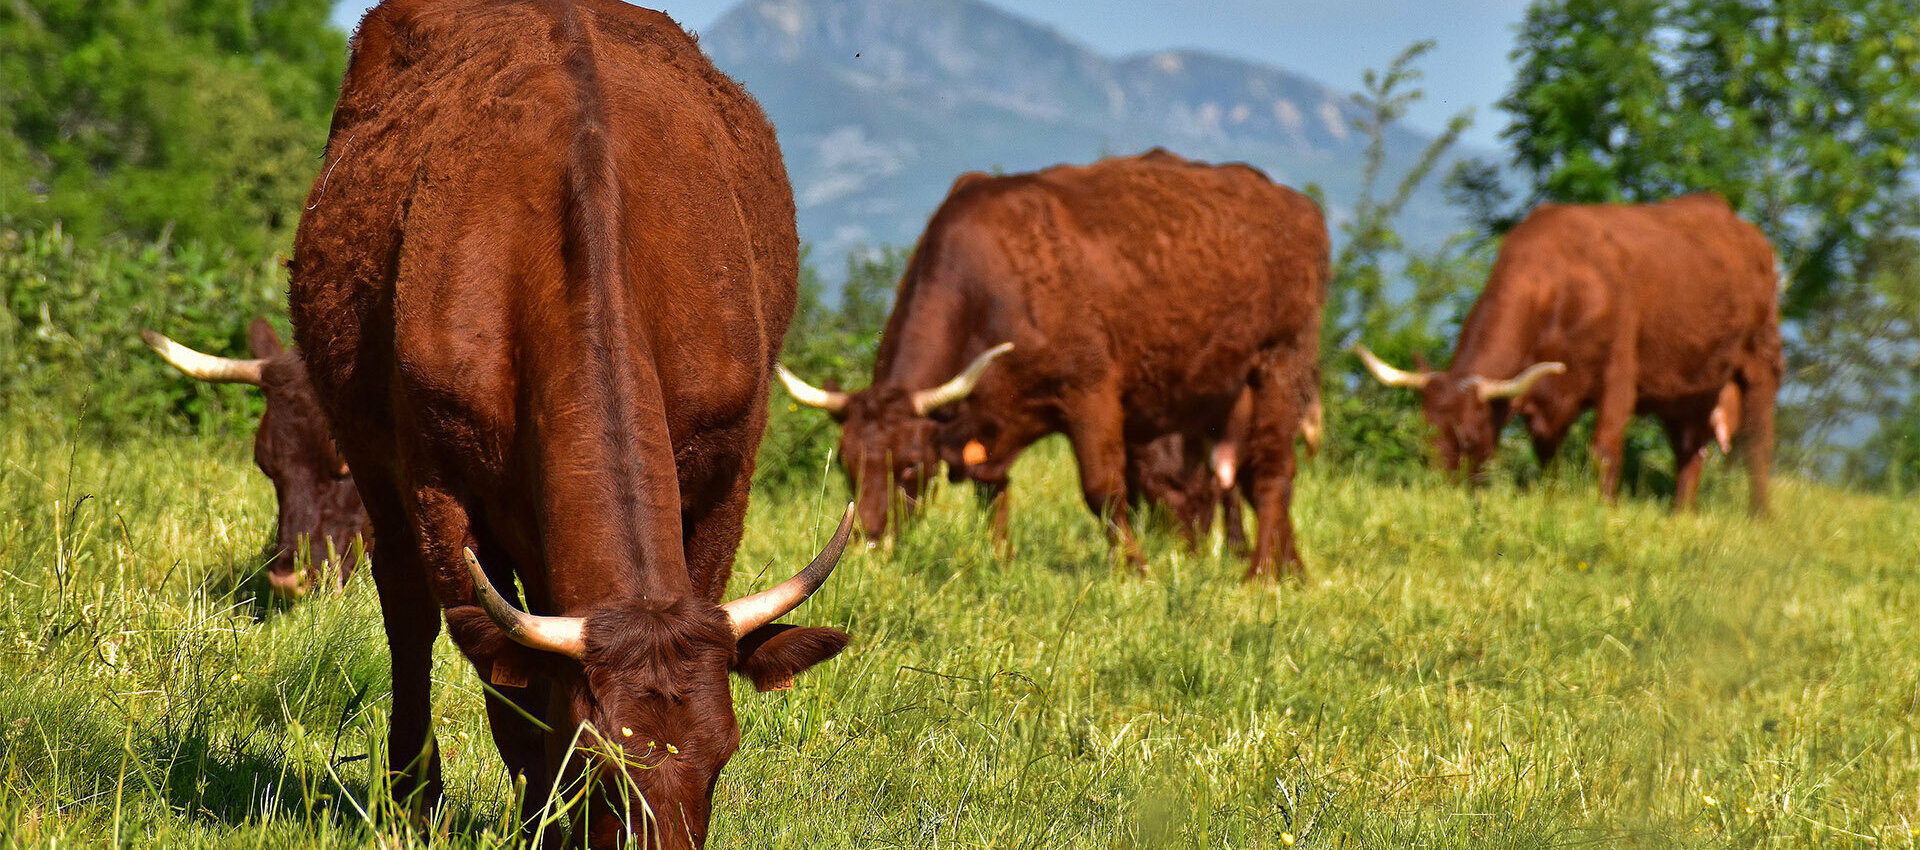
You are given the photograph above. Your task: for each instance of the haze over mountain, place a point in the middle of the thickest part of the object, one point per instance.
(881, 103)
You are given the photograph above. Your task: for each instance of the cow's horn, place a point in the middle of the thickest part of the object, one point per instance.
(1517, 385)
(928, 401)
(206, 367)
(564, 635)
(752, 612)
(1387, 374)
(832, 401)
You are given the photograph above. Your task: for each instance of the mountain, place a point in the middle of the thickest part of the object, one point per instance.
(881, 103)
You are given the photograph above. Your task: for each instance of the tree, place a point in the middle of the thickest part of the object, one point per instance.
(1357, 303)
(1801, 112)
(199, 118)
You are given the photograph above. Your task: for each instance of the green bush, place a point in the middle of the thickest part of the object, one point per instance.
(70, 319)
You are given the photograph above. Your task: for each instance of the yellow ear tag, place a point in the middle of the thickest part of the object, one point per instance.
(506, 675)
(974, 454)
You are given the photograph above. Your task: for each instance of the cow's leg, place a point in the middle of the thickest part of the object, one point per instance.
(1546, 442)
(1281, 393)
(1756, 433)
(1230, 517)
(995, 497)
(1096, 433)
(1689, 440)
(512, 696)
(411, 617)
(1615, 413)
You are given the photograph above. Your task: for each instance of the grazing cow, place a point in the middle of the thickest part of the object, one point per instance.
(320, 513)
(539, 285)
(1667, 309)
(1124, 300)
(1193, 482)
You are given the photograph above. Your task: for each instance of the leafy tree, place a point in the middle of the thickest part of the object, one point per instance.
(1801, 112)
(1357, 299)
(1376, 427)
(202, 119)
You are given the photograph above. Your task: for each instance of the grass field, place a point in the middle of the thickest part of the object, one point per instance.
(1507, 668)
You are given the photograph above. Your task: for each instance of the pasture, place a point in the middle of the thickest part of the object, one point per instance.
(1516, 667)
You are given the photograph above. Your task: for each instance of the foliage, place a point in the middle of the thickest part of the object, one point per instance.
(1802, 113)
(1373, 427)
(70, 318)
(203, 120)
(831, 345)
(1358, 305)
(1461, 669)
(1856, 363)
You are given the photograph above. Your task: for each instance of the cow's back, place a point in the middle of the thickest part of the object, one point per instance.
(492, 166)
(1693, 283)
(1174, 273)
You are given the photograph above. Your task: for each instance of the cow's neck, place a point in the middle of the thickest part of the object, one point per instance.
(927, 342)
(1499, 337)
(609, 489)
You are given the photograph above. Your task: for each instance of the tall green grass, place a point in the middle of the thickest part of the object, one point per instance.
(1509, 667)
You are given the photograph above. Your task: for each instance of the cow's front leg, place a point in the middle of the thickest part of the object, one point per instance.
(1098, 447)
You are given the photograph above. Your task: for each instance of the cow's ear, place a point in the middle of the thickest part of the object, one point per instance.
(770, 656)
(265, 342)
(1420, 363)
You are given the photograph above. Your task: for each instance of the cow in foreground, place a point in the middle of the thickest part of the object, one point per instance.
(539, 286)
(1667, 309)
(1114, 303)
(320, 515)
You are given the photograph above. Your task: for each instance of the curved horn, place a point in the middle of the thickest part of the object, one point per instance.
(928, 401)
(564, 635)
(1387, 374)
(205, 367)
(1517, 385)
(752, 612)
(832, 401)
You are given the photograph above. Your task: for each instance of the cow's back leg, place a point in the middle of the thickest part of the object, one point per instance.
(1756, 432)
(1689, 438)
(411, 618)
(1095, 426)
(1282, 388)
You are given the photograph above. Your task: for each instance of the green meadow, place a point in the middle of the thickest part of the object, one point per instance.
(1518, 666)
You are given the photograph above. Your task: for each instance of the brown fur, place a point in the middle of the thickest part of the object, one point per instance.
(540, 283)
(1654, 309)
(1142, 295)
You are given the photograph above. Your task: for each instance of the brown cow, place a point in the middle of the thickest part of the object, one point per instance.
(1195, 482)
(1667, 309)
(1137, 297)
(539, 286)
(320, 510)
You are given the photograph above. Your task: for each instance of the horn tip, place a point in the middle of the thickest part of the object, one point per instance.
(154, 339)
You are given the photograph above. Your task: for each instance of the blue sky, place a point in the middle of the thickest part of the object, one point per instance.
(1332, 42)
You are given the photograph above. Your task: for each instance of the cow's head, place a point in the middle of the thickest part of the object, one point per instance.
(888, 434)
(319, 507)
(1461, 408)
(644, 693)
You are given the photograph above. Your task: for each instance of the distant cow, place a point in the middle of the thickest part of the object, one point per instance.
(319, 508)
(1124, 300)
(1193, 477)
(1667, 309)
(540, 283)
